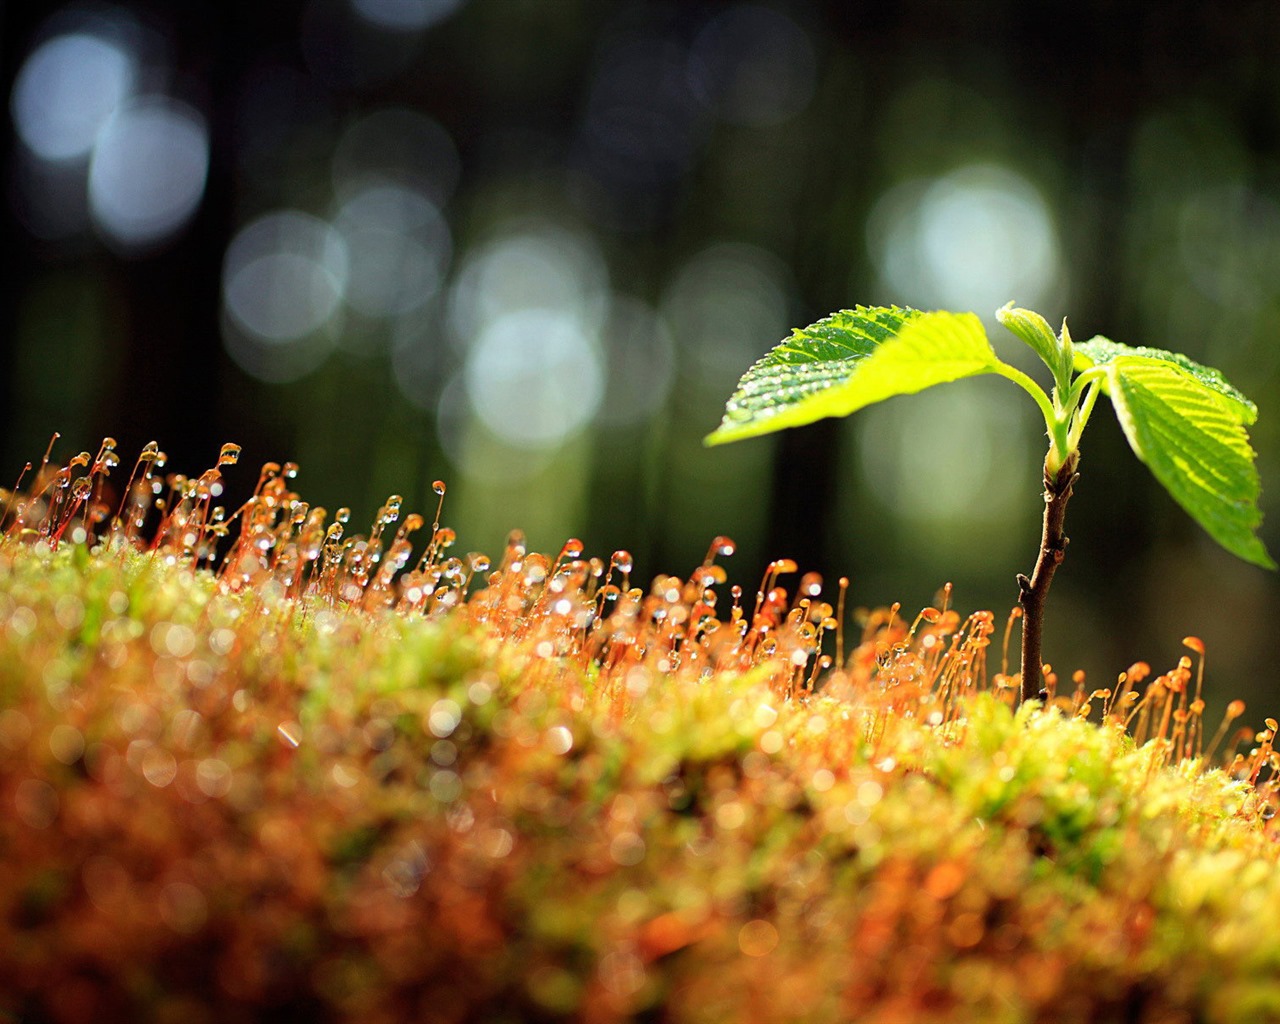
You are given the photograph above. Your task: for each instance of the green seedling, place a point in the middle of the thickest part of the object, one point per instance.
(1183, 420)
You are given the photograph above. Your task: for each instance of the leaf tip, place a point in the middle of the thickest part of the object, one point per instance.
(717, 437)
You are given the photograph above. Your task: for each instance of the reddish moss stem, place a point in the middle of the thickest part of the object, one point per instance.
(1033, 592)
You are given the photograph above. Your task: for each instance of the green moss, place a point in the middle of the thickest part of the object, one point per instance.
(253, 800)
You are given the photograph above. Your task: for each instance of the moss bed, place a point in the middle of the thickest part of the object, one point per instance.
(301, 781)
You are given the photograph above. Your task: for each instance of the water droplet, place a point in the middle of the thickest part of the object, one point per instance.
(438, 487)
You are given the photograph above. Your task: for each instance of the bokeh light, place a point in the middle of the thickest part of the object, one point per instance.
(536, 265)
(399, 247)
(67, 90)
(405, 15)
(283, 280)
(728, 305)
(972, 239)
(950, 461)
(148, 171)
(534, 377)
(284, 275)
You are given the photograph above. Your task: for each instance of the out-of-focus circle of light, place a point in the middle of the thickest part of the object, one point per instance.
(148, 171)
(399, 146)
(473, 448)
(901, 447)
(640, 355)
(277, 362)
(753, 65)
(972, 239)
(405, 15)
(534, 266)
(67, 90)
(399, 247)
(284, 275)
(534, 378)
(727, 307)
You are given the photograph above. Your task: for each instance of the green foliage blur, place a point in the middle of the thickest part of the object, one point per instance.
(528, 247)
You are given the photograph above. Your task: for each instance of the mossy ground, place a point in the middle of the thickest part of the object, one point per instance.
(258, 794)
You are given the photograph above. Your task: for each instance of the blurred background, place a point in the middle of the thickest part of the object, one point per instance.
(529, 246)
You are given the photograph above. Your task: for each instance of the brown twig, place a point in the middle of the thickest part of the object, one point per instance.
(1033, 591)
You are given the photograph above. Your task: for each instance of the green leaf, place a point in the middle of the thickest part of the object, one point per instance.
(850, 360)
(1100, 351)
(1190, 433)
(1032, 328)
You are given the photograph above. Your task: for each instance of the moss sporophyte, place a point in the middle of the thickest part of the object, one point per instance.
(255, 766)
(1183, 420)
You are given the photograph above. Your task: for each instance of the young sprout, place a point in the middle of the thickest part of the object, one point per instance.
(1183, 420)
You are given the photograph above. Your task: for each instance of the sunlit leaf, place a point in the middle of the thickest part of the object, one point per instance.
(1100, 351)
(851, 360)
(1188, 427)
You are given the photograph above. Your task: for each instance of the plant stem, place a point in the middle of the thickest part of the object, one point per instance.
(1033, 591)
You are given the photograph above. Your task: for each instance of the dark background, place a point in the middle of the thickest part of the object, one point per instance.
(528, 246)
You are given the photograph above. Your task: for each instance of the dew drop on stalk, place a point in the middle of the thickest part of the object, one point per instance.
(229, 455)
(622, 561)
(711, 575)
(721, 546)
